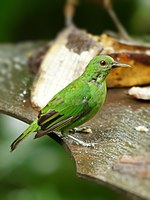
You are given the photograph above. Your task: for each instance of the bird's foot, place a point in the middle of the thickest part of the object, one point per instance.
(85, 129)
(80, 142)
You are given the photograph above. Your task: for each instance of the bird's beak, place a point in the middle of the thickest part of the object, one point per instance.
(119, 64)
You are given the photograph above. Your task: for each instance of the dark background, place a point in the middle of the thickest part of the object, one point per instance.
(22, 20)
(42, 169)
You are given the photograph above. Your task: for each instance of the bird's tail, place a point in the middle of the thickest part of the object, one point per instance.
(31, 129)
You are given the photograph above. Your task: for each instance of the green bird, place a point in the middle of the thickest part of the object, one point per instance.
(76, 103)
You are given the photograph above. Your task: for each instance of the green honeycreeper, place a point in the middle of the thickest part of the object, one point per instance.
(76, 103)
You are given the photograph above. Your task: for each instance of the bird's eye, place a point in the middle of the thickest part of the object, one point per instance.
(102, 62)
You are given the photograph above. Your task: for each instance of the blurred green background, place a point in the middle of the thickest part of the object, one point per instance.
(42, 169)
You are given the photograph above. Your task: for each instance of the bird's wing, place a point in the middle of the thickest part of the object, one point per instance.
(67, 106)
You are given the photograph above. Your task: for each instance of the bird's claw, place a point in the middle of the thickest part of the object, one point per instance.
(80, 142)
(85, 129)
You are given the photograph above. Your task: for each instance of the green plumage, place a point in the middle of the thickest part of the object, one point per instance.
(76, 103)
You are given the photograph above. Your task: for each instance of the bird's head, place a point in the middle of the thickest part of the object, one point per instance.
(100, 66)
